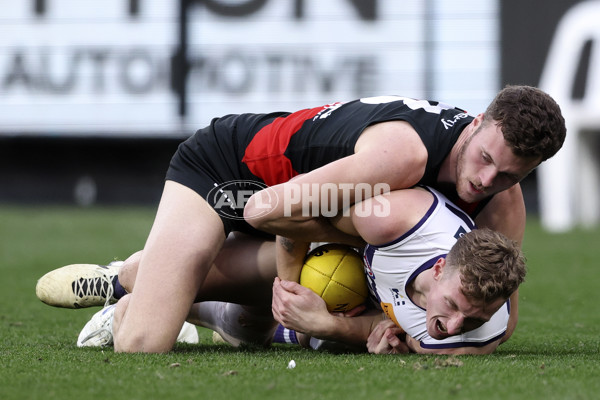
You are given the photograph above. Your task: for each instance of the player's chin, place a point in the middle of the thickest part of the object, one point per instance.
(470, 194)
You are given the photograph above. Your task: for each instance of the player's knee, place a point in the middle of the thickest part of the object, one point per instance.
(128, 271)
(140, 341)
(128, 343)
(134, 259)
(136, 339)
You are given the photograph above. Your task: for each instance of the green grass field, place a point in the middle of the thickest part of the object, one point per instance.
(553, 355)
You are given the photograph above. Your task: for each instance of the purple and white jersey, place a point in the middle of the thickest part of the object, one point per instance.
(392, 267)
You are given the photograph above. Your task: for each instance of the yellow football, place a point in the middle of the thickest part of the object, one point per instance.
(336, 273)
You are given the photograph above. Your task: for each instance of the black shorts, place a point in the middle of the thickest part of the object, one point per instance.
(200, 165)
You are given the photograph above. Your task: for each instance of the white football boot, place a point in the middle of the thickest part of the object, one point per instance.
(98, 331)
(79, 285)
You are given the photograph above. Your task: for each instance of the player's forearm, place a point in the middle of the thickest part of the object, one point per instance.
(307, 230)
(290, 255)
(349, 330)
(272, 210)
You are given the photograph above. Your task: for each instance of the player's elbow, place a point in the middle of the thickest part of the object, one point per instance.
(259, 210)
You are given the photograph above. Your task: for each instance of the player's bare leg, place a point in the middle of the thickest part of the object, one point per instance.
(242, 273)
(184, 241)
(241, 279)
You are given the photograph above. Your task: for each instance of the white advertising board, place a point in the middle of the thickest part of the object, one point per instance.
(167, 67)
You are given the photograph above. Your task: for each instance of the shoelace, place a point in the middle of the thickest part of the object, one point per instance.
(100, 286)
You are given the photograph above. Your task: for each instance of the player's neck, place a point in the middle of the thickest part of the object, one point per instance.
(419, 288)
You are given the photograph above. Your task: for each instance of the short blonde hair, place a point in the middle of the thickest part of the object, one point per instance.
(491, 266)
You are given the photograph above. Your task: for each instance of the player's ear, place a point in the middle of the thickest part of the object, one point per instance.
(438, 268)
(478, 120)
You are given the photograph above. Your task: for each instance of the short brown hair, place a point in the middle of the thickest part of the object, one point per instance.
(530, 119)
(491, 266)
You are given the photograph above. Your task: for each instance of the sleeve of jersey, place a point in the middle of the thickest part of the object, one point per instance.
(487, 333)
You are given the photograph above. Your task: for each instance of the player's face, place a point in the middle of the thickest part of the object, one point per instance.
(486, 165)
(450, 313)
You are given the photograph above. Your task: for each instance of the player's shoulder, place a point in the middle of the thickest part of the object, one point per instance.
(396, 142)
(406, 208)
(410, 206)
(380, 131)
(412, 200)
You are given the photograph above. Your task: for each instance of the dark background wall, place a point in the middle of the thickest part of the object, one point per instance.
(527, 29)
(75, 170)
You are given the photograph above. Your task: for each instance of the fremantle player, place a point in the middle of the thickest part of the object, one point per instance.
(440, 289)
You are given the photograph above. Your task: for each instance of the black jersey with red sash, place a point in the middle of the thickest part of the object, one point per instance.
(273, 148)
(299, 142)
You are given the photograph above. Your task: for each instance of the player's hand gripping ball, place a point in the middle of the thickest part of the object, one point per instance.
(336, 273)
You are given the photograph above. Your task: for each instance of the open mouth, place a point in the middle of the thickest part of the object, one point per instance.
(476, 189)
(440, 327)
